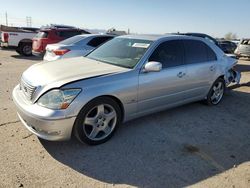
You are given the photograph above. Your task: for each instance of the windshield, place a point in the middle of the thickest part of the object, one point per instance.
(72, 40)
(124, 52)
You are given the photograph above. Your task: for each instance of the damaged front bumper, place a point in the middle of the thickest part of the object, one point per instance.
(232, 76)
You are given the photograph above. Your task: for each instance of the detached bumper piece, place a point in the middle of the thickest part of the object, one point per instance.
(232, 76)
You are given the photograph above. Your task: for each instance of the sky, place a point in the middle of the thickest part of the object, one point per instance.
(214, 17)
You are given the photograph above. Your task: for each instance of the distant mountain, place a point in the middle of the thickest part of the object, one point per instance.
(103, 31)
(96, 31)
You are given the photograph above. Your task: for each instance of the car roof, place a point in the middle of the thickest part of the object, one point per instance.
(159, 37)
(97, 35)
(59, 29)
(225, 41)
(142, 37)
(198, 34)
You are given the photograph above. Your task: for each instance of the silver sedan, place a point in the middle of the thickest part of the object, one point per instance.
(127, 77)
(79, 45)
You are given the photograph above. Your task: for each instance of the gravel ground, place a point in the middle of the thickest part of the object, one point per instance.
(193, 145)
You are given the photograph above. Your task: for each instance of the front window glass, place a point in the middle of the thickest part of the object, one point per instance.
(170, 54)
(124, 52)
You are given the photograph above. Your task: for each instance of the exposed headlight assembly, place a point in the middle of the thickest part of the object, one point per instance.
(58, 99)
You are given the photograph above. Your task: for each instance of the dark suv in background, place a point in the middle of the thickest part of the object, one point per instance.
(53, 34)
(202, 35)
(227, 46)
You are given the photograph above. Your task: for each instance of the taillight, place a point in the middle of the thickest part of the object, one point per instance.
(61, 52)
(6, 37)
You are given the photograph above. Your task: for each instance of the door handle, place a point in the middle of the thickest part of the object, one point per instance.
(212, 68)
(181, 74)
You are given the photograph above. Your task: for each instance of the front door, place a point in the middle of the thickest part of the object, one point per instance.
(159, 89)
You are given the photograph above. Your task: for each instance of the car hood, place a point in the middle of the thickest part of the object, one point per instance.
(63, 71)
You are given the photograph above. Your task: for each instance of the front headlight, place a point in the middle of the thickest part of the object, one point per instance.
(57, 99)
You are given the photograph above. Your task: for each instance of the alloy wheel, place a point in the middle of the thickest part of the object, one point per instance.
(217, 92)
(99, 122)
(27, 49)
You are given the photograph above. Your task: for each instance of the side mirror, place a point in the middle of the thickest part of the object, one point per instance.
(152, 66)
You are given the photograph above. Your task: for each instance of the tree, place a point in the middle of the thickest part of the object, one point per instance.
(230, 36)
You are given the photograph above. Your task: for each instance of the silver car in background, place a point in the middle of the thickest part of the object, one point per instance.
(79, 45)
(243, 48)
(125, 78)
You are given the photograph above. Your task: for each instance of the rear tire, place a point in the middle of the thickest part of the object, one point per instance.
(98, 120)
(25, 49)
(216, 92)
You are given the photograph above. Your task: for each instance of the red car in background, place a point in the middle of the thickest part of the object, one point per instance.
(53, 34)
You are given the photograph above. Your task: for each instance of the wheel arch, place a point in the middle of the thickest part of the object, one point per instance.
(117, 100)
(24, 41)
(221, 76)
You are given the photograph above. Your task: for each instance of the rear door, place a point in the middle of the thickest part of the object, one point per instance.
(160, 89)
(201, 64)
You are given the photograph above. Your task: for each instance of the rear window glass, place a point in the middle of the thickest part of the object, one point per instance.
(42, 34)
(73, 40)
(98, 41)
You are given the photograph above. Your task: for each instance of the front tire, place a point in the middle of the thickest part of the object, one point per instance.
(97, 121)
(216, 92)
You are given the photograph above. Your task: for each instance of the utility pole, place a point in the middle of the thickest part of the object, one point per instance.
(6, 18)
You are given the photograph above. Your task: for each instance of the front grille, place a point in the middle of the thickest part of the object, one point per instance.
(27, 89)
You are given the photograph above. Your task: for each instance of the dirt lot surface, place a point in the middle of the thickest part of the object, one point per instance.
(193, 145)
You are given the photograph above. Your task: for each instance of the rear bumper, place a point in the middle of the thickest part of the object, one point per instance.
(4, 44)
(48, 57)
(38, 54)
(45, 123)
(242, 55)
